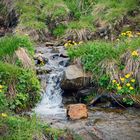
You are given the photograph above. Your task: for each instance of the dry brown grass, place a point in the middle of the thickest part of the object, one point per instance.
(131, 64)
(110, 68)
(78, 35)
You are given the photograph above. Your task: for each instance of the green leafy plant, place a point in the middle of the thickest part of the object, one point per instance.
(24, 82)
(3, 102)
(104, 81)
(125, 86)
(90, 97)
(19, 102)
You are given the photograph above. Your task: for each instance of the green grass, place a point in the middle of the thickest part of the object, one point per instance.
(33, 14)
(30, 12)
(111, 10)
(18, 128)
(82, 14)
(59, 30)
(29, 128)
(94, 53)
(84, 22)
(9, 44)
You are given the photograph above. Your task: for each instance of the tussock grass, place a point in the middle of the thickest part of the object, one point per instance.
(111, 10)
(9, 44)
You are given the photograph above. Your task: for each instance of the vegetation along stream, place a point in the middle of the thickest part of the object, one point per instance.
(69, 70)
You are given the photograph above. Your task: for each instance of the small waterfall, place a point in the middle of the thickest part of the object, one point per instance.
(51, 103)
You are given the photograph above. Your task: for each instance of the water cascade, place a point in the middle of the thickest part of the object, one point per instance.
(51, 103)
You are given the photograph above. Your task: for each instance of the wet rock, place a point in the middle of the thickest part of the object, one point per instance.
(77, 111)
(81, 94)
(43, 78)
(54, 56)
(44, 69)
(75, 78)
(40, 60)
(68, 100)
(63, 61)
(55, 50)
(42, 49)
(63, 52)
(49, 43)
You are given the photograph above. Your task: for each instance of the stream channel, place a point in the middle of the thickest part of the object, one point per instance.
(101, 124)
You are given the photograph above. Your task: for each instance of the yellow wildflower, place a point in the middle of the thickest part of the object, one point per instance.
(131, 88)
(80, 42)
(75, 43)
(1, 86)
(130, 35)
(69, 45)
(119, 88)
(122, 79)
(128, 32)
(128, 84)
(135, 53)
(133, 80)
(127, 75)
(123, 34)
(118, 85)
(0, 90)
(117, 39)
(4, 115)
(66, 44)
(114, 81)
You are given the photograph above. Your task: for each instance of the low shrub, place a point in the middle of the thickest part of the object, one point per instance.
(23, 87)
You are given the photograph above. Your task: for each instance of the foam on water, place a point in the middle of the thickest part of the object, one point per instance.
(51, 103)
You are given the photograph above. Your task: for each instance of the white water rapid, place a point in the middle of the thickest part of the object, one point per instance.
(51, 103)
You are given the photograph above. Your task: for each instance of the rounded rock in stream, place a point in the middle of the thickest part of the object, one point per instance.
(77, 111)
(75, 78)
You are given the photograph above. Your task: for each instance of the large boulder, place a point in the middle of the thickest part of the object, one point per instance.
(75, 78)
(77, 111)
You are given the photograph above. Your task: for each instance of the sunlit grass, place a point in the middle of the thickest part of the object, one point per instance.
(9, 44)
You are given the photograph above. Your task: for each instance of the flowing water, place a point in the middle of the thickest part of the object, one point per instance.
(51, 103)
